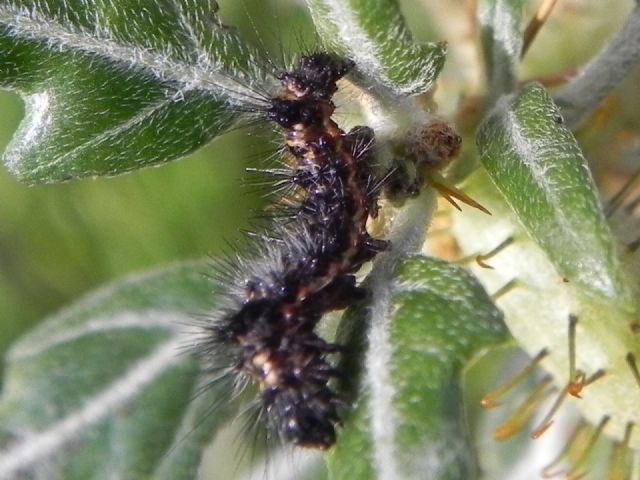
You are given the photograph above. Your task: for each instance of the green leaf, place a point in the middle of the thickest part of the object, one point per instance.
(535, 162)
(114, 86)
(500, 22)
(105, 388)
(409, 422)
(375, 36)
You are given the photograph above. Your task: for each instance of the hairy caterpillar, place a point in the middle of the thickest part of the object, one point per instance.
(305, 267)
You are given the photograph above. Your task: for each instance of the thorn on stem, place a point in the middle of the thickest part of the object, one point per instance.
(631, 361)
(481, 259)
(491, 399)
(523, 413)
(451, 193)
(535, 24)
(576, 377)
(581, 450)
(618, 464)
(506, 288)
(547, 421)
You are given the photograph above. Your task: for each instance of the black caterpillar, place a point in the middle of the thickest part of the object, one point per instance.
(305, 267)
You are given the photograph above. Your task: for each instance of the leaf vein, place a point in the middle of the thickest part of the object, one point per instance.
(40, 446)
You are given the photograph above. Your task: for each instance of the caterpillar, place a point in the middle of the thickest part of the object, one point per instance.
(305, 267)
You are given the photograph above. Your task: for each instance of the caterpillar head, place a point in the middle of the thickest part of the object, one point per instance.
(316, 76)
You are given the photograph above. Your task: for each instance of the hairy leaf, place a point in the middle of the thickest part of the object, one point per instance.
(409, 422)
(375, 36)
(114, 86)
(106, 388)
(535, 162)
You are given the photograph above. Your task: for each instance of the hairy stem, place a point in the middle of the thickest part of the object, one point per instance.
(612, 65)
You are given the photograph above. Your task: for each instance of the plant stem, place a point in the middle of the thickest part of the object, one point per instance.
(612, 65)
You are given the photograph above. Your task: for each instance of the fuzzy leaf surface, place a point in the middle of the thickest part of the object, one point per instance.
(409, 422)
(110, 87)
(375, 36)
(536, 163)
(105, 389)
